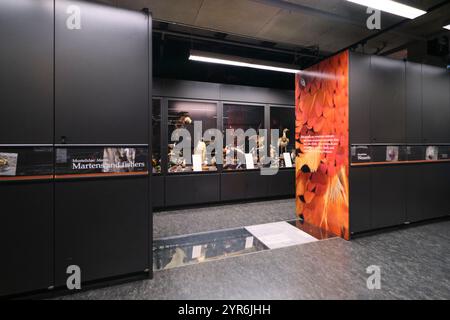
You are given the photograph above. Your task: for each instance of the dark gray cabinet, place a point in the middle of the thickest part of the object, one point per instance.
(359, 96)
(249, 185)
(388, 197)
(102, 79)
(387, 108)
(282, 184)
(102, 226)
(74, 72)
(26, 77)
(436, 104)
(26, 237)
(192, 189)
(360, 199)
(436, 179)
(101, 75)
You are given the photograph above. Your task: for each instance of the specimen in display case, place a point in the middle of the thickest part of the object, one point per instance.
(8, 164)
(283, 119)
(156, 137)
(392, 153)
(184, 115)
(26, 161)
(432, 153)
(243, 117)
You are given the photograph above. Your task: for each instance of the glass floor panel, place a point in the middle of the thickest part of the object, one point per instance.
(192, 249)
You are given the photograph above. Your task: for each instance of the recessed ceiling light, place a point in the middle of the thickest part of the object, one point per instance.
(393, 7)
(238, 62)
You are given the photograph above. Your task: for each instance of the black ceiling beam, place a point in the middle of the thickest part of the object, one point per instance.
(302, 52)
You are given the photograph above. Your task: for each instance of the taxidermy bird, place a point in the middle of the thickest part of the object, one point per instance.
(183, 120)
(283, 142)
(177, 259)
(200, 149)
(3, 162)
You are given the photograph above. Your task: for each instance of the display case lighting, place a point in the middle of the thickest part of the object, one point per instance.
(393, 7)
(239, 62)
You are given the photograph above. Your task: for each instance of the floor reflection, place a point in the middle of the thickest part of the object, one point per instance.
(186, 250)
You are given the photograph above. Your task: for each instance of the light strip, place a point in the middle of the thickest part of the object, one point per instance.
(393, 7)
(237, 62)
(447, 27)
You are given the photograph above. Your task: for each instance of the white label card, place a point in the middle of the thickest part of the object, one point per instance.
(249, 242)
(197, 162)
(287, 160)
(249, 161)
(196, 252)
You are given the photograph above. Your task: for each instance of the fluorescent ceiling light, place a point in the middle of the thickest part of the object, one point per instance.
(239, 62)
(391, 7)
(447, 27)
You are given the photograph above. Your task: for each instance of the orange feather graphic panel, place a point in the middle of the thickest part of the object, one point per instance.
(322, 143)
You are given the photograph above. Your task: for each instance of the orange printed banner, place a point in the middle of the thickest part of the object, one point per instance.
(322, 143)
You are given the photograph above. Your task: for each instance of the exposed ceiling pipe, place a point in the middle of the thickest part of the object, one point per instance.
(364, 41)
(188, 36)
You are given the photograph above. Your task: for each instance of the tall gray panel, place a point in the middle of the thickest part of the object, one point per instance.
(387, 108)
(101, 74)
(360, 200)
(436, 105)
(26, 76)
(415, 193)
(26, 237)
(102, 226)
(413, 102)
(359, 98)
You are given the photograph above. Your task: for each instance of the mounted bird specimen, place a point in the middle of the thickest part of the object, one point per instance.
(283, 142)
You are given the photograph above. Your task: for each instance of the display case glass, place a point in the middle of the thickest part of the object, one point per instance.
(184, 115)
(245, 117)
(283, 119)
(156, 136)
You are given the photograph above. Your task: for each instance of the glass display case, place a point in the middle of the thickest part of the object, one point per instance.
(237, 153)
(283, 119)
(156, 136)
(184, 115)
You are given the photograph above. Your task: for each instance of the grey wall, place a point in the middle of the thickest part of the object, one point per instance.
(394, 102)
(398, 102)
(221, 92)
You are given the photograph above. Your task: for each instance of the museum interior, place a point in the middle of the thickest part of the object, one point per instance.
(224, 149)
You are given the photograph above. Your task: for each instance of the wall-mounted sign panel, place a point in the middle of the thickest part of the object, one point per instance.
(369, 155)
(100, 161)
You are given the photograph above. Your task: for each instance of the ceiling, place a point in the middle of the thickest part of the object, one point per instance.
(330, 25)
(296, 32)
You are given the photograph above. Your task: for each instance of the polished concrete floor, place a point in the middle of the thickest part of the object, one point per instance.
(195, 220)
(414, 262)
